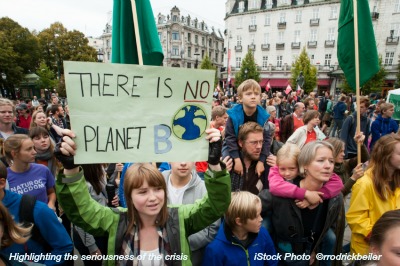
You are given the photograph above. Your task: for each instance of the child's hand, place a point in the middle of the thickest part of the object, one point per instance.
(313, 197)
(238, 169)
(271, 160)
(302, 204)
(357, 172)
(260, 168)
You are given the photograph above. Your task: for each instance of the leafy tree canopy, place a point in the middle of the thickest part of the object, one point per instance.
(303, 64)
(249, 65)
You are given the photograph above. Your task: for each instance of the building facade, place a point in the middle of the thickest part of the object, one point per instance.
(277, 30)
(186, 41)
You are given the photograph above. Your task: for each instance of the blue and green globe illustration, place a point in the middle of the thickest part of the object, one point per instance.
(189, 122)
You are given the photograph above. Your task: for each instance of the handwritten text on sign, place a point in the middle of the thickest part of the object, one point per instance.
(130, 113)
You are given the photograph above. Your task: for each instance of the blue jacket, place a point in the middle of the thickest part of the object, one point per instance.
(50, 228)
(226, 252)
(235, 120)
(381, 127)
(339, 110)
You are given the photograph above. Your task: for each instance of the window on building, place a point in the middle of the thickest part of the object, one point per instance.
(333, 12)
(266, 38)
(175, 18)
(328, 58)
(189, 65)
(202, 53)
(279, 60)
(238, 62)
(252, 38)
(296, 36)
(298, 16)
(264, 62)
(160, 35)
(175, 50)
(397, 6)
(108, 43)
(268, 4)
(285, 2)
(175, 35)
(209, 55)
(315, 13)
(210, 43)
(312, 56)
(196, 39)
(189, 52)
(216, 57)
(189, 37)
(253, 20)
(267, 19)
(253, 4)
(239, 40)
(331, 34)
(313, 35)
(389, 58)
(396, 29)
(241, 6)
(240, 20)
(281, 37)
(282, 17)
(203, 41)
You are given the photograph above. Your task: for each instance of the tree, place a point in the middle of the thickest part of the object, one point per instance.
(59, 44)
(19, 52)
(375, 84)
(207, 64)
(46, 78)
(303, 64)
(249, 65)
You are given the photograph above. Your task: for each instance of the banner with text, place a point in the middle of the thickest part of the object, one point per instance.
(131, 113)
(395, 99)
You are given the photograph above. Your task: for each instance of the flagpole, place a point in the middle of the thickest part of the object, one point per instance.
(137, 35)
(357, 62)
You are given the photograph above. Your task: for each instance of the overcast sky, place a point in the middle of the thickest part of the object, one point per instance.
(90, 16)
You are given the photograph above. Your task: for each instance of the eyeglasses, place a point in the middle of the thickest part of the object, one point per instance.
(255, 142)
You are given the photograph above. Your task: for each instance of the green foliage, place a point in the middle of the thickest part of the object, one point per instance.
(207, 64)
(303, 64)
(375, 84)
(249, 64)
(19, 52)
(59, 44)
(46, 78)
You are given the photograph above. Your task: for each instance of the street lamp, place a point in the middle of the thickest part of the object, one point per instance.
(100, 56)
(3, 77)
(57, 57)
(197, 60)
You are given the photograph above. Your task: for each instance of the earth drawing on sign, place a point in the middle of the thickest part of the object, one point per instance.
(189, 122)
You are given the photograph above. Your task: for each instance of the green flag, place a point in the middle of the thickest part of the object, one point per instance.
(123, 34)
(368, 55)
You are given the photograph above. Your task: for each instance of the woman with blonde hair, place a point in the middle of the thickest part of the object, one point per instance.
(377, 192)
(25, 176)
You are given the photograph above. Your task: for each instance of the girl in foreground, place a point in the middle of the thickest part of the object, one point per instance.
(148, 232)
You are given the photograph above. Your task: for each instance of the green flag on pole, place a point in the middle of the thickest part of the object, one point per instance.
(368, 54)
(124, 48)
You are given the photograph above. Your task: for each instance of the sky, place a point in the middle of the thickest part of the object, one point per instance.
(91, 16)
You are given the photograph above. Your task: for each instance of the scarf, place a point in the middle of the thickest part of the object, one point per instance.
(131, 247)
(47, 156)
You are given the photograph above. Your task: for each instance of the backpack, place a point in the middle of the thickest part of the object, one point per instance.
(26, 208)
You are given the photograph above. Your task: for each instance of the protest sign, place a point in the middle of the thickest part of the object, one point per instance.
(131, 113)
(394, 98)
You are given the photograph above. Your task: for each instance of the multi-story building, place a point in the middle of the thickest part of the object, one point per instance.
(185, 41)
(277, 30)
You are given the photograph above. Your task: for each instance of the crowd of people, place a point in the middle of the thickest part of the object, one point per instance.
(272, 192)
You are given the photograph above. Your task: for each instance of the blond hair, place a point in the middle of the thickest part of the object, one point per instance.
(248, 84)
(386, 106)
(243, 206)
(288, 151)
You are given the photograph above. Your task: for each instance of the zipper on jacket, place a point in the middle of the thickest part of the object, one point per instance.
(245, 251)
